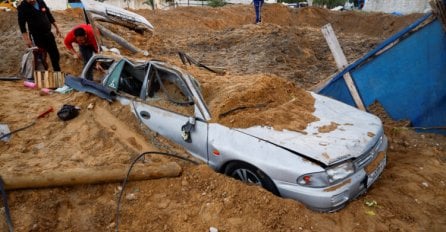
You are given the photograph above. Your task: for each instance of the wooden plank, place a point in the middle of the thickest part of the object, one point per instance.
(88, 175)
(439, 9)
(59, 79)
(63, 79)
(38, 79)
(355, 94)
(51, 80)
(56, 79)
(341, 63)
(335, 47)
(46, 82)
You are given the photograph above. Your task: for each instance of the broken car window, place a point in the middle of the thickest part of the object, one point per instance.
(167, 90)
(127, 78)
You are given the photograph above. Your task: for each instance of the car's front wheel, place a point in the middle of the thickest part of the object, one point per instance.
(250, 175)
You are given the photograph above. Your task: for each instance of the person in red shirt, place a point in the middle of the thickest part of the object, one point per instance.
(82, 35)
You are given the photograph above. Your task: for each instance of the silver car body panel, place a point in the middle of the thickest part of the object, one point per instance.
(283, 155)
(105, 10)
(334, 197)
(168, 124)
(233, 145)
(356, 133)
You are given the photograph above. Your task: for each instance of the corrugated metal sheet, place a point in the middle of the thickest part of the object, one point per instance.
(409, 79)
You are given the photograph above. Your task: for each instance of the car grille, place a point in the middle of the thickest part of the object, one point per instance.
(368, 156)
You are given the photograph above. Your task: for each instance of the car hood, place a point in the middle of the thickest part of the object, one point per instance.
(355, 133)
(114, 12)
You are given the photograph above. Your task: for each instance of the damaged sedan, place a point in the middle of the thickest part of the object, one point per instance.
(324, 167)
(324, 171)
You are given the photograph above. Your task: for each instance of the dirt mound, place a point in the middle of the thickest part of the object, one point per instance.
(369, 24)
(409, 196)
(288, 43)
(245, 101)
(11, 48)
(90, 140)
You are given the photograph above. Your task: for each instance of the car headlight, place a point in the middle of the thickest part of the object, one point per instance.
(330, 176)
(340, 172)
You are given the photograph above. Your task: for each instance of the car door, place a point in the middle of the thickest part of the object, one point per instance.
(168, 109)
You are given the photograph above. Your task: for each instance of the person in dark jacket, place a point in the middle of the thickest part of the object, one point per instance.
(37, 16)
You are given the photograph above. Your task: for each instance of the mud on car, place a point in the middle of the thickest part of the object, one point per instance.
(324, 171)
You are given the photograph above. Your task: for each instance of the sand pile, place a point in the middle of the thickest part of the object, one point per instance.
(11, 49)
(96, 138)
(245, 101)
(288, 43)
(409, 196)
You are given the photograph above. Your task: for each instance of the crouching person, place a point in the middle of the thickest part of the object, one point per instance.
(82, 35)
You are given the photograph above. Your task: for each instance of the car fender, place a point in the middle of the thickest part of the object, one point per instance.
(227, 145)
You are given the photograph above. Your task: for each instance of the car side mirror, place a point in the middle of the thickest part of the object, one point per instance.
(186, 129)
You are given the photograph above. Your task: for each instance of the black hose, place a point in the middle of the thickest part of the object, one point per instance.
(186, 58)
(20, 129)
(130, 169)
(10, 79)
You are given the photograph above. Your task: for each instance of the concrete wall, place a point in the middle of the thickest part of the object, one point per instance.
(56, 4)
(132, 4)
(400, 6)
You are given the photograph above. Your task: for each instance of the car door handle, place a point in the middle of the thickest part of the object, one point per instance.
(145, 114)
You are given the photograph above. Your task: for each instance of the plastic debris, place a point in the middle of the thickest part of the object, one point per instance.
(370, 212)
(64, 89)
(131, 197)
(370, 203)
(4, 130)
(29, 84)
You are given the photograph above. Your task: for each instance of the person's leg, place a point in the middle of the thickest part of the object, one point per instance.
(260, 11)
(53, 52)
(40, 63)
(87, 53)
(257, 10)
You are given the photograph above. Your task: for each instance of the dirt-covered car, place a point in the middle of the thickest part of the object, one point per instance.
(322, 170)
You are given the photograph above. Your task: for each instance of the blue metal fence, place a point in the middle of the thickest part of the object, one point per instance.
(408, 79)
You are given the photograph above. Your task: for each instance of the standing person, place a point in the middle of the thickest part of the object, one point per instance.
(258, 9)
(39, 19)
(82, 35)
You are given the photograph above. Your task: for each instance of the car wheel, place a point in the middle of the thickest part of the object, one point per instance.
(250, 175)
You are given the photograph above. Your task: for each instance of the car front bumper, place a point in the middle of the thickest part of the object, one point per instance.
(333, 198)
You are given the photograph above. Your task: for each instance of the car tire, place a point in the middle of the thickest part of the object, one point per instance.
(250, 175)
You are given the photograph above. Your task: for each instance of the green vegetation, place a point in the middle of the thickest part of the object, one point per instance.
(150, 3)
(216, 3)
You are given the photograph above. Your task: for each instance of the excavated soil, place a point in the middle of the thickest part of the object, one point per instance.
(245, 101)
(263, 63)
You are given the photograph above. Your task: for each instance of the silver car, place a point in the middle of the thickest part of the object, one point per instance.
(324, 171)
